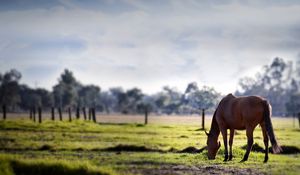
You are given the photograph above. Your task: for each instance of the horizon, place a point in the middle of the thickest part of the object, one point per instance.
(35, 84)
(146, 44)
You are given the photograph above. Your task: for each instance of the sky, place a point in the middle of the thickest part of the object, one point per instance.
(146, 44)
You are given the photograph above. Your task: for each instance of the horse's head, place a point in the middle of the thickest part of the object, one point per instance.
(212, 145)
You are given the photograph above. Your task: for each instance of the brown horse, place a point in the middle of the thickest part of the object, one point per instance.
(241, 113)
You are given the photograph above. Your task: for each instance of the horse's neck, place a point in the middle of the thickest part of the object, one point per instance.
(214, 129)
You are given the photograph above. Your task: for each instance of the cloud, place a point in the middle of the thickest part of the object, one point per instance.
(148, 43)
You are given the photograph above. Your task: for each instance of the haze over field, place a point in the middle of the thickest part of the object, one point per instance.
(146, 44)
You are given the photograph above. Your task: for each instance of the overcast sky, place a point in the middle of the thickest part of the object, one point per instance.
(146, 44)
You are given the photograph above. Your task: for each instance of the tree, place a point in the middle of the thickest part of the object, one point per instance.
(29, 98)
(134, 99)
(293, 104)
(107, 101)
(146, 103)
(57, 92)
(88, 95)
(35, 97)
(9, 88)
(169, 100)
(117, 98)
(46, 97)
(273, 83)
(66, 91)
(204, 98)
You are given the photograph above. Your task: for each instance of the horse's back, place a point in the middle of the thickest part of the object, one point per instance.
(252, 109)
(240, 112)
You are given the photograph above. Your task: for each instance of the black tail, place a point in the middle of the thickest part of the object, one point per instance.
(267, 118)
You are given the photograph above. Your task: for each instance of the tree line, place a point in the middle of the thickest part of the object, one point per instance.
(70, 93)
(278, 82)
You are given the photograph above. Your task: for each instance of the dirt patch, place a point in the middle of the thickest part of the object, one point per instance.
(176, 169)
(286, 149)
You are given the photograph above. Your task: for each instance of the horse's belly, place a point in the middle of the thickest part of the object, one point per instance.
(236, 125)
(240, 128)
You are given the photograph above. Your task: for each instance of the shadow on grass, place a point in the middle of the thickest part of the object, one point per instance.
(129, 148)
(285, 149)
(117, 148)
(134, 148)
(191, 150)
(46, 147)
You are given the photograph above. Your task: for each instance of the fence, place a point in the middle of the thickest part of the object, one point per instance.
(78, 113)
(39, 118)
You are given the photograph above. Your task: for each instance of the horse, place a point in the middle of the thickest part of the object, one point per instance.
(240, 113)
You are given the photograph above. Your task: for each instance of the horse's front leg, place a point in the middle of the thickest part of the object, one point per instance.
(249, 133)
(230, 143)
(224, 134)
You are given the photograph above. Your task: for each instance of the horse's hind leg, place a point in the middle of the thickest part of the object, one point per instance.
(224, 134)
(230, 143)
(249, 133)
(266, 141)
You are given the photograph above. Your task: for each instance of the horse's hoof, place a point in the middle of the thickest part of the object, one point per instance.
(266, 159)
(243, 160)
(230, 157)
(225, 160)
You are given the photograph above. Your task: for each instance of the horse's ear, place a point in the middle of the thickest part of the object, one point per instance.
(206, 133)
(219, 145)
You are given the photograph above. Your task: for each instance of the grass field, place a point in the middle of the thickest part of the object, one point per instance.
(123, 145)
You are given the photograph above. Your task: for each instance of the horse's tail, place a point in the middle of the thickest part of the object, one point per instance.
(267, 119)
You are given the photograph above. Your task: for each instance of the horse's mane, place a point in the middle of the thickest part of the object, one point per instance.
(214, 129)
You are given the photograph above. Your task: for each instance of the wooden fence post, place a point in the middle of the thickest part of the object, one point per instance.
(70, 115)
(60, 113)
(4, 112)
(30, 114)
(78, 112)
(52, 113)
(84, 113)
(94, 115)
(203, 119)
(40, 114)
(34, 112)
(90, 113)
(146, 115)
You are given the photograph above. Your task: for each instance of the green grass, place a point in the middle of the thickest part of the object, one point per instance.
(14, 164)
(81, 147)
